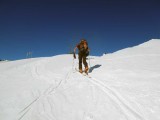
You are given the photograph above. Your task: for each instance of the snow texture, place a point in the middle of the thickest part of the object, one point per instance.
(124, 85)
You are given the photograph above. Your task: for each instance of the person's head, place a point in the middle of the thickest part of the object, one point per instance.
(83, 40)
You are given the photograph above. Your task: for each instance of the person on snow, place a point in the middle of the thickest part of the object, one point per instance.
(83, 52)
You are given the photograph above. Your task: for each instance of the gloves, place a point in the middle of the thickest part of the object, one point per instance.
(74, 55)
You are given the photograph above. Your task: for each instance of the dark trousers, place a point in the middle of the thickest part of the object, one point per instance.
(82, 58)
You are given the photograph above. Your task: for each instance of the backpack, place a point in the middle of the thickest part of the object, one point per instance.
(83, 47)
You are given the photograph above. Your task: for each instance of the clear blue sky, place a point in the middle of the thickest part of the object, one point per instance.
(51, 27)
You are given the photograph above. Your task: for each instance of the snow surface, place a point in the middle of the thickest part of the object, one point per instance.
(124, 85)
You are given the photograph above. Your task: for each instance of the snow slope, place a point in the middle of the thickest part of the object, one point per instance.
(124, 85)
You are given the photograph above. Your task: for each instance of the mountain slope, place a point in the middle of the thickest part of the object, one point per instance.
(124, 85)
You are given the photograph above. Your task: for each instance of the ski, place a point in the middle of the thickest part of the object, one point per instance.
(83, 73)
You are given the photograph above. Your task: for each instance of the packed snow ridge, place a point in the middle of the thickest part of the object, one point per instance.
(124, 85)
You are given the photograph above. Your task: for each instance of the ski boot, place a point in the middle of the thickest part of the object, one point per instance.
(80, 70)
(86, 70)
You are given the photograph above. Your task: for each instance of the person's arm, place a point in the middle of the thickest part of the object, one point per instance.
(75, 49)
(74, 54)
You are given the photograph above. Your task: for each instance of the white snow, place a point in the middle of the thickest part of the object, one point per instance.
(124, 85)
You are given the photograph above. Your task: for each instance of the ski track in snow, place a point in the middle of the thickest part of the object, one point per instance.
(121, 103)
(118, 99)
(36, 75)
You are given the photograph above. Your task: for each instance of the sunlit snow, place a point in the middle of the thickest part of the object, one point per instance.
(124, 85)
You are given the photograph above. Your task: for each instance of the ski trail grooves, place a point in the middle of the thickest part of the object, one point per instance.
(119, 100)
(46, 92)
(24, 114)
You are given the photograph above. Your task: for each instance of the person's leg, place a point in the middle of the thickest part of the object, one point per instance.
(80, 62)
(85, 63)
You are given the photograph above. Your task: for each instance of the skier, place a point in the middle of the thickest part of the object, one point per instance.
(82, 54)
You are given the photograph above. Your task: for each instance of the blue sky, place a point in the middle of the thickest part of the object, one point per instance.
(51, 27)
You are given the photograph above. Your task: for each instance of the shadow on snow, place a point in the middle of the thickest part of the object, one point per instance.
(94, 67)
